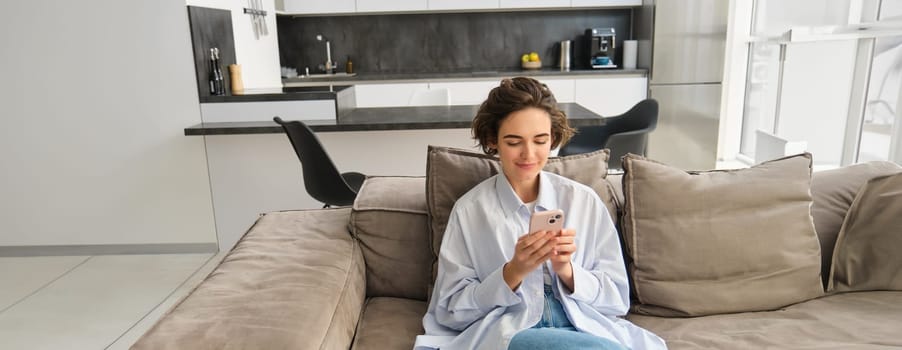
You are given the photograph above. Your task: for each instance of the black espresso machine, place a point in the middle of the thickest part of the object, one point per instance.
(601, 47)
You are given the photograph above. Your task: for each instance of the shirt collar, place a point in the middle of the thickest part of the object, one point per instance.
(510, 202)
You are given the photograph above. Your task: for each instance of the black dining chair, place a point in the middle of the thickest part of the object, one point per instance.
(321, 178)
(622, 134)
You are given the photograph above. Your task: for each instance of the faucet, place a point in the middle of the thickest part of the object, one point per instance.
(329, 67)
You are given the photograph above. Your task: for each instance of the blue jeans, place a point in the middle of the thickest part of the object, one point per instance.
(554, 331)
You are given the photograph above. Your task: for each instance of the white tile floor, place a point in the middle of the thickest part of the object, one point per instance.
(91, 302)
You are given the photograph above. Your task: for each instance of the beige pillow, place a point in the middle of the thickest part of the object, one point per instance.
(867, 249)
(716, 242)
(832, 192)
(451, 172)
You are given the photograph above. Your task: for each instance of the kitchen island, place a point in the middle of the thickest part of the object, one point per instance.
(253, 168)
(385, 118)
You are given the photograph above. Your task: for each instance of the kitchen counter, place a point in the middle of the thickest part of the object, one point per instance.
(329, 92)
(387, 118)
(455, 76)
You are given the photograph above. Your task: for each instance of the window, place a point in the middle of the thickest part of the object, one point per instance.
(823, 76)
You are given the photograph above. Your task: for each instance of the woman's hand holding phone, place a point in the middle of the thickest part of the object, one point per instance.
(564, 242)
(530, 252)
(541, 244)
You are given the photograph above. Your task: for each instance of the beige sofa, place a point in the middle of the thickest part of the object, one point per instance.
(359, 278)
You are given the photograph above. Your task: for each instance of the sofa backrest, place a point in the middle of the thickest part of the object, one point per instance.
(390, 220)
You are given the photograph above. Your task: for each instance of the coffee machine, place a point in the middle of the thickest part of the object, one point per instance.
(601, 47)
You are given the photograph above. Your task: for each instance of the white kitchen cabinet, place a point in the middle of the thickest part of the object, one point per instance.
(607, 96)
(386, 95)
(610, 96)
(605, 3)
(462, 4)
(264, 111)
(561, 88)
(319, 7)
(467, 92)
(391, 5)
(516, 4)
(475, 92)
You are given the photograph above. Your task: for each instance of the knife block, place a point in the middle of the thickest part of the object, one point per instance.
(235, 74)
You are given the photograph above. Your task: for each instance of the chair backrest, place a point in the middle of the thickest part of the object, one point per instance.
(321, 178)
(622, 134)
(430, 97)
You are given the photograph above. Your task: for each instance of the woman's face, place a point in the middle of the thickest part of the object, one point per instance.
(524, 142)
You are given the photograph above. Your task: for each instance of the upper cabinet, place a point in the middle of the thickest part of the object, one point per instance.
(304, 7)
(462, 4)
(505, 4)
(391, 5)
(608, 3)
(307, 7)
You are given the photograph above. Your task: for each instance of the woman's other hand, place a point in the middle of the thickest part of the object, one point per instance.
(530, 252)
(561, 255)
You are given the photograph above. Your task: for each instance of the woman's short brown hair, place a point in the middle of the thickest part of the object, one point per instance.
(511, 96)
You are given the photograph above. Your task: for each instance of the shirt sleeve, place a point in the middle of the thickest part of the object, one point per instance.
(461, 297)
(599, 279)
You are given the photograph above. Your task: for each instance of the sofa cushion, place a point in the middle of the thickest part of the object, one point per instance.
(868, 320)
(616, 182)
(389, 219)
(832, 192)
(294, 281)
(867, 249)
(714, 242)
(390, 323)
(451, 172)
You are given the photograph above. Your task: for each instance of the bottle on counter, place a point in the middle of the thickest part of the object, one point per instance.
(349, 67)
(217, 83)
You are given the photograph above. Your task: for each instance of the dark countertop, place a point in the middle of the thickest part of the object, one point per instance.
(280, 94)
(361, 77)
(387, 118)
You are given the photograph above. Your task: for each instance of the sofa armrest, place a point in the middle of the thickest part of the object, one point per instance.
(294, 281)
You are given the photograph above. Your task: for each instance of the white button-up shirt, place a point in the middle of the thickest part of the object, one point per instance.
(473, 308)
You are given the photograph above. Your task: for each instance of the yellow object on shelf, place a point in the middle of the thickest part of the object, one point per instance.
(235, 74)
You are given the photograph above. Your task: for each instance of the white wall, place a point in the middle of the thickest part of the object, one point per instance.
(259, 58)
(95, 96)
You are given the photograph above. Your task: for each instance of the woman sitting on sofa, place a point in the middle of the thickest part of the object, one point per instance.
(501, 287)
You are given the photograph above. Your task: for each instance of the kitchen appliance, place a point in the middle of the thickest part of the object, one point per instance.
(601, 47)
(687, 67)
(565, 56)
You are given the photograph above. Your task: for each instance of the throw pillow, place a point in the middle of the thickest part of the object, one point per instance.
(867, 249)
(832, 192)
(715, 242)
(451, 172)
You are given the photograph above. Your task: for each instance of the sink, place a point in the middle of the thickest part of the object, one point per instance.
(326, 76)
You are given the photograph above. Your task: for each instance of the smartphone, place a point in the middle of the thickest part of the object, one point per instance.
(549, 220)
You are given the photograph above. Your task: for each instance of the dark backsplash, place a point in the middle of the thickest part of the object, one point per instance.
(443, 42)
(211, 28)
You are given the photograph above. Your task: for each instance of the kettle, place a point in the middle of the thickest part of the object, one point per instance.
(565, 56)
